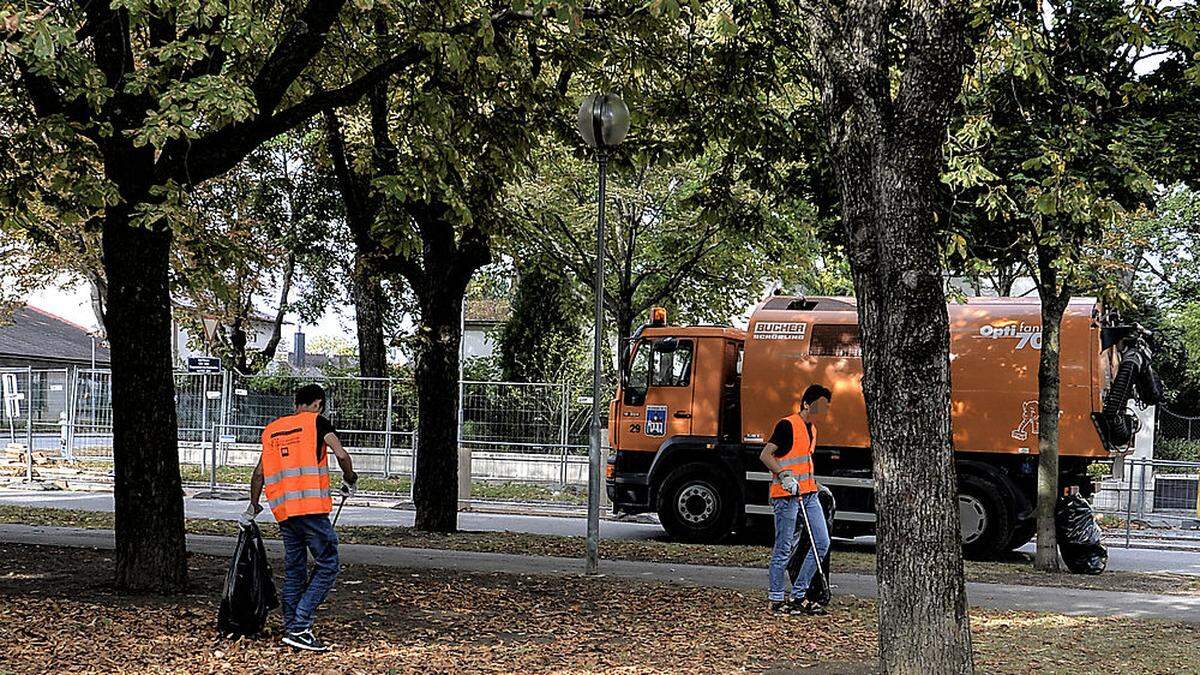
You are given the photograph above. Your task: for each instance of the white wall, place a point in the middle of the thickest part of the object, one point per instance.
(477, 342)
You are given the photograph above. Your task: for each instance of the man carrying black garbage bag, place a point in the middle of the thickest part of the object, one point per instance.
(789, 456)
(294, 469)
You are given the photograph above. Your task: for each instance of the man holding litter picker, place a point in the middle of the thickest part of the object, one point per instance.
(294, 468)
(794, 492)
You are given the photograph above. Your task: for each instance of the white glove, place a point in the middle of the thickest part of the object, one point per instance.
(349, 488)
(789, 484)
(248, 516)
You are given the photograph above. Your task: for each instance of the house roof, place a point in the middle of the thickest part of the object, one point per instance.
(487, 310)
(32, 333)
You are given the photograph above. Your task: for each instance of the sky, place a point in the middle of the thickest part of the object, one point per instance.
(72, 301)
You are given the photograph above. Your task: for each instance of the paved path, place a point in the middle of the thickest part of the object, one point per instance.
(998, 596)
(1120, 559)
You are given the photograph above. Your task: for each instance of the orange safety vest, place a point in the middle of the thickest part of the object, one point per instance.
(295, 469)
(798, 460)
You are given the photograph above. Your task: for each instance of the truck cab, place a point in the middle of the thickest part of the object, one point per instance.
(678, 397)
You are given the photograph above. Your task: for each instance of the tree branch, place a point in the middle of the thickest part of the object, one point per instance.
(302, 39)
(217, 152)
(683, 269)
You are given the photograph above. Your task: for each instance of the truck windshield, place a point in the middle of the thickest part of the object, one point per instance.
(653, 367)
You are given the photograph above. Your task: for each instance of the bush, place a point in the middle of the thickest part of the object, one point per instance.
(1177, 449)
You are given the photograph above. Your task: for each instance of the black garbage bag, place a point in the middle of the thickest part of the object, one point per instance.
(1079, 536)
(249, 594)
(818, 590)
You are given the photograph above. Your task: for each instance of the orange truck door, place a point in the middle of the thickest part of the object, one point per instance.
(658, 394)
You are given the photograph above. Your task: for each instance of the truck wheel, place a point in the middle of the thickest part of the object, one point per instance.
(696, 504)
(986, 517)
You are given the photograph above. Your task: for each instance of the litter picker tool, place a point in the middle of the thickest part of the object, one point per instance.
(339, 509)
(812, 541)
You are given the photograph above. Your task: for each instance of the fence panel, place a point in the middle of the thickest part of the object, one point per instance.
(1173, 426)
(507, 415)
(36, 408)
(1154, 498)
(517, 432)
(91, 414)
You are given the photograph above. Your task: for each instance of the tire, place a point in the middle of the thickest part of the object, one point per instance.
(697, 504)
(987, 517)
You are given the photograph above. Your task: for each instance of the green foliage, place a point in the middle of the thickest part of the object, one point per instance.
(1061, 142)
(693, 235)
(1172, 274)
(482, 369)
(1177, 450)
(543, 337)
(253, 234)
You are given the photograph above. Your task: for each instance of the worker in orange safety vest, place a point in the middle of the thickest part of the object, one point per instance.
(294, 471)
(789, 456)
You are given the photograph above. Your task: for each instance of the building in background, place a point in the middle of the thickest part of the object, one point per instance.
(481, 324)
(34, 338)
(185, 344)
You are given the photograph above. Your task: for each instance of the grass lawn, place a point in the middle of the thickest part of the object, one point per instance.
(1018, 570)
(58, 613)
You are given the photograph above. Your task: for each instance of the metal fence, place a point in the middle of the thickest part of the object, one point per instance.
(1172, 426)
(520, 432)
(1153, 498)
(35, 410)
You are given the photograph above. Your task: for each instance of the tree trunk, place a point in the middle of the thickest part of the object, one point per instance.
(268, 350)
(435, 492)
(237, 343)
(886, 152)
(923, 623)
(99, 291)
(369, 310)
(624, 320)
(148, 496)
(362, 208)
(1046, 558)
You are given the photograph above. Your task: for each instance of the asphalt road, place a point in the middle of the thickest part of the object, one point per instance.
(1136, 560)
(351, 515)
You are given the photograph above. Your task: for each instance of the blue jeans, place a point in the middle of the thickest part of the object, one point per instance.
(303, 594)
(787, 511)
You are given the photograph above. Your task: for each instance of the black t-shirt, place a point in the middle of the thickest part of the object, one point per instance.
(782, 436)
(324, 426)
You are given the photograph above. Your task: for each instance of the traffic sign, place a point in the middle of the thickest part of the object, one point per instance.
(211, 324)
(203, 364)
(12, 397)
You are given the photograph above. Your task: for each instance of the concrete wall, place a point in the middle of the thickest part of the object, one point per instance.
(500, 466)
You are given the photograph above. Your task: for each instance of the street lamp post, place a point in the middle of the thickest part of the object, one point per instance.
(603, 123)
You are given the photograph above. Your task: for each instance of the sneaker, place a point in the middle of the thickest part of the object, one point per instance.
(810, 608)
(779, 607)
(305, 640)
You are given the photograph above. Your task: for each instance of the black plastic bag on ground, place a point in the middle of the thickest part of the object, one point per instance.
(1079, 536)
(818, 590)
(249, 594)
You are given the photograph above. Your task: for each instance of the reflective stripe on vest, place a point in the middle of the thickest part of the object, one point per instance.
(295, 471)
(296, 481)
(797, 462)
